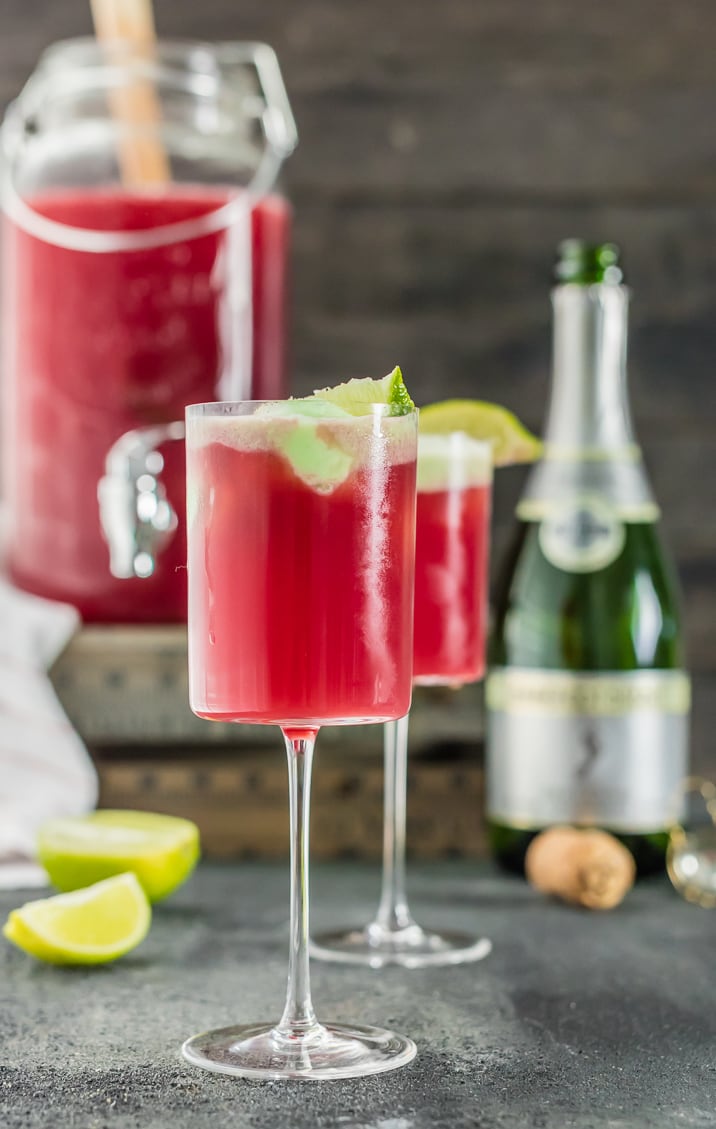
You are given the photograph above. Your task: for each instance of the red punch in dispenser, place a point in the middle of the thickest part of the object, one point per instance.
(144, 267)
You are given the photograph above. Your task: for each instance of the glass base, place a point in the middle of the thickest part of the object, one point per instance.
(411, 947)
(329, 1051)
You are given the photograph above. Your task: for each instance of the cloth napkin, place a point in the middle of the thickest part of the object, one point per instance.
(45, 769)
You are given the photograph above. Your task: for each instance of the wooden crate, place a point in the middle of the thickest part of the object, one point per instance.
(239, 800)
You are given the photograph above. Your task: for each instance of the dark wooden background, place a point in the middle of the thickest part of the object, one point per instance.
(445, 149)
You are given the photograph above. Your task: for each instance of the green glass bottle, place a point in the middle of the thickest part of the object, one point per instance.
(587, 698)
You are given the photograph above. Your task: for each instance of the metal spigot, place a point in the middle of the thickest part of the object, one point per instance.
(136, 516)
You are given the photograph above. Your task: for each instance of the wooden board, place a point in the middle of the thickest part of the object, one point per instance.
(240, 802)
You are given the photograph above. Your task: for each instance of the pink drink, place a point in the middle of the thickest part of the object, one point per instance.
(451, 560)
(97, 344)
(300, 592)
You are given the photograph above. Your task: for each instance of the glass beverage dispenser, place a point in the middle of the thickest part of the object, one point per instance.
(145, 251)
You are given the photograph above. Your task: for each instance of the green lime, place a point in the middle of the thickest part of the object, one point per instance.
(322, 465)
(161, 850)
(357, 396)
(511, 441)
(315, 457)
(309, 431)
(90, 926)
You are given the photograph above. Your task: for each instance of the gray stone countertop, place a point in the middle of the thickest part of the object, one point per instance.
(576, 1020)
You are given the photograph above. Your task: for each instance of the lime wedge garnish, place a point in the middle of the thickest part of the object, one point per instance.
(323, 456)
(90, 926)
(161, 850)
(316, 458)
(357, 396)
(320, 464)
(511, 441)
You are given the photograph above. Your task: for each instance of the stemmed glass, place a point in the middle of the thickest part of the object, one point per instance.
(301, 560)
(451, 589)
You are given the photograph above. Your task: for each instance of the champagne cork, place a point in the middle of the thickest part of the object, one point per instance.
(583, 867)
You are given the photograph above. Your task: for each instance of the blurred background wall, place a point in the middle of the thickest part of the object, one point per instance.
(444, 150)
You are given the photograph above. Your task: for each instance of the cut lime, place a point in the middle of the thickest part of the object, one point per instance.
(511, 441)
(316, 458)
(324, 456)
(320, 464)
(161, 850)
(90, 926)
(357, 396)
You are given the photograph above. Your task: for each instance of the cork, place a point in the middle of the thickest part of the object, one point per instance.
(583, 867)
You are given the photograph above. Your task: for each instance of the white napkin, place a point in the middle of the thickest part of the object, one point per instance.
(45, 769)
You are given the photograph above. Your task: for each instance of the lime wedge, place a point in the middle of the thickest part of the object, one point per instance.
(316, 458)
(90, 926)
(161, 850)
(321, 465)
(323, 456)
(357, 396)
(511, 441)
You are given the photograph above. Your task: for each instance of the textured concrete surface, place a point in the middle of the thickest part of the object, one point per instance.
(576, 1020)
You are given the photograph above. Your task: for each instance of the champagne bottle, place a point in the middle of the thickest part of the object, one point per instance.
(587, 698)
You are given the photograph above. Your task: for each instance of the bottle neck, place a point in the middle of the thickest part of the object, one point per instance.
(590, 450)
(589, 409)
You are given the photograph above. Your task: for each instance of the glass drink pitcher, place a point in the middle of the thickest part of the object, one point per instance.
(145, 250)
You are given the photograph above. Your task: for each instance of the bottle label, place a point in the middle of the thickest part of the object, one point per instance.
(582, 534)
(595, 749)
(614, 479)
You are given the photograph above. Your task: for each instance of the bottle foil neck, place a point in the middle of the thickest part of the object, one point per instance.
(590, 449)
(589, 408)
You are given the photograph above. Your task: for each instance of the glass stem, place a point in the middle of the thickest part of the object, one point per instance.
(299, 1019)
(393, 913)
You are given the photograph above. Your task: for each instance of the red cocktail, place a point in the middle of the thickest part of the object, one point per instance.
(299, 613)
(451, 574)
(451, 561)
(98, 344)
(301, 533)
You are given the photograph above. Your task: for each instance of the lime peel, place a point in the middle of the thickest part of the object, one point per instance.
(480, 419)
(316, 456)
(161, 850)
(358, 396)
(91, 926)
(321, 465)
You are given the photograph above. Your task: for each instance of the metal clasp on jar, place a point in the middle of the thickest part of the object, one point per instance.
(136, 517)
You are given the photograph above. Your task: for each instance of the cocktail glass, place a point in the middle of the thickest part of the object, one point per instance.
(451, 590)
(301, 561)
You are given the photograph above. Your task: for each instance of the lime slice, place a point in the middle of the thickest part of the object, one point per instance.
(357, 396)
(161, 850)
(511, 441)
(321, 465)
(317, 459)
(90, 926)
(321, 456)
